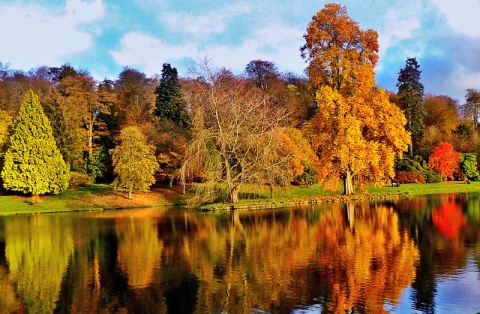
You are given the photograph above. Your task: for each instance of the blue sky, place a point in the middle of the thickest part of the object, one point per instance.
(103, 36)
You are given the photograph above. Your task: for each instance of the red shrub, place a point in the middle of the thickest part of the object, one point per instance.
(409, 177)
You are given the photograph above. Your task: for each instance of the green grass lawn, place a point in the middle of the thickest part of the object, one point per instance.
(69, 200)
(428, 188)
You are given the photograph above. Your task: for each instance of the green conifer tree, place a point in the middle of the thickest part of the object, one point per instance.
(169, 103)
(33, 162)
(134, 162)
(410, 91)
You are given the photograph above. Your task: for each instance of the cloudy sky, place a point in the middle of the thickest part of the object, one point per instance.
(103, 36)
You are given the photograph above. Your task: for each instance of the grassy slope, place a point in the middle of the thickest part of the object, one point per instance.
(98, 197)
(94, 197)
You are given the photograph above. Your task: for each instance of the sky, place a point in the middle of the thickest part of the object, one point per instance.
(104, 36)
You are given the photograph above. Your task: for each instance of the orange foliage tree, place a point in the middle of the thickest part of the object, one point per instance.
(356, 131)
(444, 159)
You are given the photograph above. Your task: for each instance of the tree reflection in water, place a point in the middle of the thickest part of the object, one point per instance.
(356, 257)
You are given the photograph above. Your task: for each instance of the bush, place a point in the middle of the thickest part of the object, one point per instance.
(78, 179)
(409, 177)
(416, 165)
(431, 176)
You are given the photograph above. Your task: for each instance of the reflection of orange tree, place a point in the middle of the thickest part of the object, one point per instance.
(369, 263)
(263, 260)
(448, 218)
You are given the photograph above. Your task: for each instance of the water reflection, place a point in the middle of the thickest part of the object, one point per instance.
(360, 257)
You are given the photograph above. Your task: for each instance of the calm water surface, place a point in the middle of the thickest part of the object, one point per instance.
(411, 256)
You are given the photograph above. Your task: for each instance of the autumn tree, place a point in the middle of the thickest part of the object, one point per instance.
(262, 73)
(135, 101)
(15, 84)
(134, 162)
(410, 92)
(33, 163)
(441, 112)
(471, 108)
(440, 121)
(169, 103)
(444, 160)
(356, 131)
(232, 130)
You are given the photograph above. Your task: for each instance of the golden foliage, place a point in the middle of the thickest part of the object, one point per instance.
(38, 258)
(139, 250)
(356, 131)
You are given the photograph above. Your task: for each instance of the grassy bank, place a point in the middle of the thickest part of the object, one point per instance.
(300, 195)
(91, 198)
(100, 197)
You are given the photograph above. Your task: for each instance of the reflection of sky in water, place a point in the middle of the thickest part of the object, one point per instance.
(452, 291)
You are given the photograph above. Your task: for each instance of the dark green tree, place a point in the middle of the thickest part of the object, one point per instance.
(410, 93)
(169, 103)
(134, 161)
(33, 162)
(471, 109)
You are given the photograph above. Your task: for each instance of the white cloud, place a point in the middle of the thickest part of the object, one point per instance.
(201, 26)
(398, 27)
(461, 15)
(32, 35)
(82, 12)
(275, 43)
(142, 50)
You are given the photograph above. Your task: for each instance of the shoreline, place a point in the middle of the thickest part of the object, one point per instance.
(100, 197)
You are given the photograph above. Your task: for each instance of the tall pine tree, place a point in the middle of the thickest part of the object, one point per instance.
(169, 102)
(410, 93)
(33, 162)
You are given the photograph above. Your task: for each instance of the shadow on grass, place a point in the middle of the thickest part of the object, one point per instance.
(251, 196)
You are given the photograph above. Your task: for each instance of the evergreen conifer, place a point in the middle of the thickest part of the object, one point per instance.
(33, 162)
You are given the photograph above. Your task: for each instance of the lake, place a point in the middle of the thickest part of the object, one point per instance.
(418, 255)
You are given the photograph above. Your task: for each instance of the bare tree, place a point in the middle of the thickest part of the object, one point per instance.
(233, 128)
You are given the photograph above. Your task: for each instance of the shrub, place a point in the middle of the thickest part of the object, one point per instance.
(431, 176)
(417, 165)
(409, 177)
(78, 179)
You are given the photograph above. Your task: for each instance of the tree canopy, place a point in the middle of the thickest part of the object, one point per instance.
(134, 162)
(444, 159)
(356, 131)
(33, 162)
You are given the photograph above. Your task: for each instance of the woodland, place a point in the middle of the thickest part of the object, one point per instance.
(219, 131)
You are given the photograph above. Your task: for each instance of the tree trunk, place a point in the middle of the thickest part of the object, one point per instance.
(234, 195)
(130, 193)
(350, 214)
(347, 182)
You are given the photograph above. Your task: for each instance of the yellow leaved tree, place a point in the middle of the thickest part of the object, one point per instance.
(355, 131)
